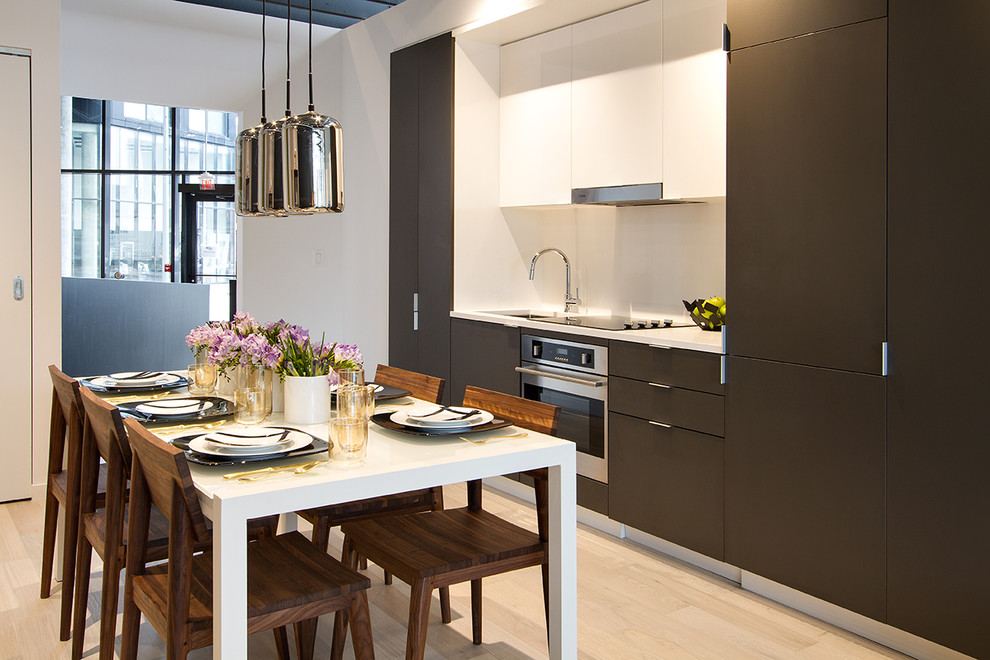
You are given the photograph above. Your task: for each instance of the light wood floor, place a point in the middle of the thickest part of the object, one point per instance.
(632, 603)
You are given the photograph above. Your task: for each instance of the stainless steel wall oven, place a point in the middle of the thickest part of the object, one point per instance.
(573, 376)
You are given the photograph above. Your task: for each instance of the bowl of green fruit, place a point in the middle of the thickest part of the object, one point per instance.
(709, 313)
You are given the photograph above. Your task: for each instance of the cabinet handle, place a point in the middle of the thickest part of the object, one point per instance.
(18, 288)
(659, 346)
(666, 426)
(415, 311)
(666, 387)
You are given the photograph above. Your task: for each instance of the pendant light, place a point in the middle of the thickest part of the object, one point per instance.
(314, 174)
(247, 181)
(272, 147)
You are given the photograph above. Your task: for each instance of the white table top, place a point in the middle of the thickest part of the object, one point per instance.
(396, 463)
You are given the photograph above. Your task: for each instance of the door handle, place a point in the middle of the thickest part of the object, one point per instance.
(18, 288)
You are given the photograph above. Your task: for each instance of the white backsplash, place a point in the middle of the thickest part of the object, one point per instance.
(637, 261)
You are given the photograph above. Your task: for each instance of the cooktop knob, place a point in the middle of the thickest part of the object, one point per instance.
(642, 324)
(628, 325)
(667, 323)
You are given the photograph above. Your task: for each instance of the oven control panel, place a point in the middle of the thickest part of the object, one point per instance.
(565, 354)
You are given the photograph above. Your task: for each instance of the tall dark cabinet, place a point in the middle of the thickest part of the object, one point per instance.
(805, 277)
(421, 206)
(856, 168)
(938, 517)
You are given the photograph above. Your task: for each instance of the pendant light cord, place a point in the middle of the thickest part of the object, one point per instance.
(312, 108)
(263, 17)
(288, 24)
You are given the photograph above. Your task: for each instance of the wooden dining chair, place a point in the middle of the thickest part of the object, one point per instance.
(421, 386)
(103, 528)
(440, 548)
(289, 579)
(64, 451)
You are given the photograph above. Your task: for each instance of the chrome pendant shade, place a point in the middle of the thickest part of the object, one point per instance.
(314, 178)
(272, 179)
(247, 184)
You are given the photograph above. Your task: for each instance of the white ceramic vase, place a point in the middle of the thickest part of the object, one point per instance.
(306, 399)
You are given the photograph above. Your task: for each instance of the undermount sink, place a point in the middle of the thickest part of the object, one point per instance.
(532, 315)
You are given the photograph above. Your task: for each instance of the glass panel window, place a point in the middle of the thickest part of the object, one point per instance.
(139, 241)
(82, 134)
(140, 136)
(216, 225)
(81, 234)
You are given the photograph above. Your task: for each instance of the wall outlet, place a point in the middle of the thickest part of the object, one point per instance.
(317, 258)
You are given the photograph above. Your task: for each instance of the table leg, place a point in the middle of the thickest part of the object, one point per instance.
(563, 559)
(229, 582)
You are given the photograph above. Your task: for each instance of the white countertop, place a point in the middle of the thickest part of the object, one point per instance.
(691, 338)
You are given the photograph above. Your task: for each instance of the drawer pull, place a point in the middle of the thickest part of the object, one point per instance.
(666, 426)
(666, 387)
(659, 346)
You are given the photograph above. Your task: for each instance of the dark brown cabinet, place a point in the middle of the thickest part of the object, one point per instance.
(485, 355)
(805, 201)
(755, 22)
(804, 480)
(665, 453)
(806, 279)
(938, 532)
(421, 215)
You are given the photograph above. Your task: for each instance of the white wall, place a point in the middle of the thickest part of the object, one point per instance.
(35, 26)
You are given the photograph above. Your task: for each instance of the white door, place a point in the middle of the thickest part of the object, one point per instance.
(15, 274)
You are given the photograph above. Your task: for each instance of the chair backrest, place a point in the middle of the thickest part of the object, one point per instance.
(164, 472)
(67, 415)
(421, 386)
(533, 415)
(107, 430)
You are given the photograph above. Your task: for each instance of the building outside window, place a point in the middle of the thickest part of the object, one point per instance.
(122, 210)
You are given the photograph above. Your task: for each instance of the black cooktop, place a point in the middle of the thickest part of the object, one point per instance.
(613, 322)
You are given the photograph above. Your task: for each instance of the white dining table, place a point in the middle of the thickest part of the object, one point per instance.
(396, 462)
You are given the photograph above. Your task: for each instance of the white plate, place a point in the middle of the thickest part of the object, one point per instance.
(168, 407)
(448, 419)
(248, 437)
(295, 440)
(111, 380)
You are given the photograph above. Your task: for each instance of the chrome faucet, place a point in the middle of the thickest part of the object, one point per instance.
(570, 302)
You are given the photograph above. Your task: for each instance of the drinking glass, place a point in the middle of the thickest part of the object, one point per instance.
(249, 405)
(202, 378)
(350, 440)
(353, 376)
(356, 401)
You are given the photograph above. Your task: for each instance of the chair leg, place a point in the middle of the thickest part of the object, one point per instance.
(419, 618)
(445, 604)
(388, 578)
(69, 543)
(108, 604)
(321, 533)
(84, 558)
(339, 634)
(476, 611)
(360, 623)
(305, 638)
(48, 544)
(281, 643)
(131, 627)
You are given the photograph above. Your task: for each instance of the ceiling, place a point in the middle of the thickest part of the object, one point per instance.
(331, 13)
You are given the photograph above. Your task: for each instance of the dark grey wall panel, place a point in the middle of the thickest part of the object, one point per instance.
(759, 21)
(120, 325)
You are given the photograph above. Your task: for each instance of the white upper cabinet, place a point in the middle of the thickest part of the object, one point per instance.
(617, 98)
(633, 96)
(535, 120)
(694, 99)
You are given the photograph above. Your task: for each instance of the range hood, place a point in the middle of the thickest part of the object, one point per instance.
(641, 194)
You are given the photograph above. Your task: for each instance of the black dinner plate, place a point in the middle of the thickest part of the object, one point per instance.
(88, 382)
(384, 420)
(220, 408)
(318, 445)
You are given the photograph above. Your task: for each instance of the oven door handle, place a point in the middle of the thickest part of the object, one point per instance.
(569, 379)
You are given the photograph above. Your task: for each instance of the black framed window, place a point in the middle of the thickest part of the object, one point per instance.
(122, 164)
